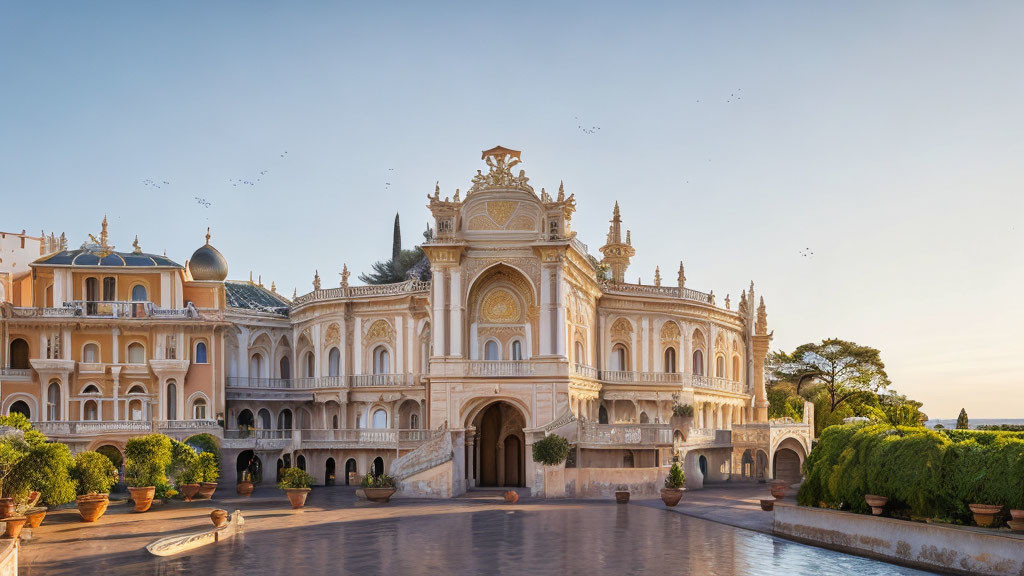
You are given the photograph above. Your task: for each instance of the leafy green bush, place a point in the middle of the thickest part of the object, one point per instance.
(551, 450)
(93, 473)
(682, 410)
(294, 478)
(147, 459)
(205, 443)
(675, 478)
(924, 473)
(28, 461)
(208, 467)
(379, 481)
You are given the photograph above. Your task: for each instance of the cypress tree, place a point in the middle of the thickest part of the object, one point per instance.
(961, 420)
(396, 246)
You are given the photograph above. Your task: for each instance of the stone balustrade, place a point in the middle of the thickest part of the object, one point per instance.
(117, 309)
(324, 382)
(398, 289)
(607, 435)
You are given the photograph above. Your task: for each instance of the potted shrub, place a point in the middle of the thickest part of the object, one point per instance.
(551, 451)
(245, 485)
(146, 461)
(13, 527)
(94, 474)
(877, 503)
(209, 472)
(378, 488)
(188, 481)
(672, 493)
(295, 483)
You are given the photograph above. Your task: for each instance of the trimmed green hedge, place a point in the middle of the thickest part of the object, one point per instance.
(924, 473)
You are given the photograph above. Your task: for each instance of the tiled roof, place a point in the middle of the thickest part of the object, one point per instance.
(86, 257)
(252, 297)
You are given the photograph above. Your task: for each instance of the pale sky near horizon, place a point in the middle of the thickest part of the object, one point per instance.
(886, 137)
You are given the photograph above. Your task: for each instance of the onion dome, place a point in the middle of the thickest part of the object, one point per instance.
(208, 263)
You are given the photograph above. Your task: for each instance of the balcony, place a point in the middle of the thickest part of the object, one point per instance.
(323, 382)
(108, 309)
(545, 367)
(676, 378)
(624, 435)
(15, 374)
(93, 427)
(380, 438)
(584, 371)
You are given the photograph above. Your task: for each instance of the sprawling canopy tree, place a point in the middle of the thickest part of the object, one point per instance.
(843, 369)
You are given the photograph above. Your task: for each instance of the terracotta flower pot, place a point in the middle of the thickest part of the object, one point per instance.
(7, 507)
(14, 526)
(244, 488)
(189, 491)
(511, 497)
(985, 515)
(142, 496)
(671, 496)
(381, 495)
(1016, 525)
(219, 517)
(768, 504)
(35, 517)
(206, 490)
(297, 496)
(1017, 514)
(92, 506)
(778, 490)
(877, 503)
(622, 496)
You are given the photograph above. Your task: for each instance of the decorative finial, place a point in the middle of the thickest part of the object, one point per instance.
(561, 191)
(712, 297)
(456, 197)
(437, 188)
(250, 277)
(727, 303)
(762, 319)
(316, 280)
(260, 280)
(344, 275)
(628, 240)
(207, 235)
(135, 245)
(273, 287)
(102, 248)
(681, 278)
(657, 275)
(295, 293)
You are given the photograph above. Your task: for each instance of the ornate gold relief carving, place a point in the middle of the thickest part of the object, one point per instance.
(333, 335)
(501, 211)
(379, 331)
(622, 329)
(501, 307)
(670, 331)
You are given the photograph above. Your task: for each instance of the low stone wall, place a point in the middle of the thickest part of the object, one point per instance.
(603, 482)
(434, 482)
(9, 550)
(928, 546)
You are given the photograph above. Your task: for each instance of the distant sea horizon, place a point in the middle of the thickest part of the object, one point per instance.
(973, 422)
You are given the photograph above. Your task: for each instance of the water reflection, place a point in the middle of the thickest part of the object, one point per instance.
(587, 539)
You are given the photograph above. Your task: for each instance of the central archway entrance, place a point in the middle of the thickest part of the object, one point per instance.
(500, 445)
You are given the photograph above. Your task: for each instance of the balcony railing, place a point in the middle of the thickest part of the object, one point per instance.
(584, 370)
(357, 381)
(369, 380)
(499, 368)
(186, 424)
(626, 434)
(685, 379)
(19, 373)
(662, 291)
(407, 287)
(257, 433)
(89, 427)
(106, 309)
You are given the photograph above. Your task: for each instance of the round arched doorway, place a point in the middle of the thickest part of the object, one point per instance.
(329, 472)
(248, 461)
(787, 461)
(500, 458)
(350, 472)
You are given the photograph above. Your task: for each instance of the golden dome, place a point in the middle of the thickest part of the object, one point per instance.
(208, 263)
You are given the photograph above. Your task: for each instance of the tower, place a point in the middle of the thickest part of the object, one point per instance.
(616, 252)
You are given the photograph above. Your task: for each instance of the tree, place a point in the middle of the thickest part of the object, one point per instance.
(844, 369)
(401, 264)
(551, 450)
(897, 410)
(961, 420)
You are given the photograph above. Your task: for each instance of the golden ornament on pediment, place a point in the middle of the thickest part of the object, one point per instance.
(622, 329)
(379, 331)
(670, 331)
(333, 335)
(501, 211)
(501, 307)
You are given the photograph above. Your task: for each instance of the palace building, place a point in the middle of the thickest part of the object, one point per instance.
(509, 330)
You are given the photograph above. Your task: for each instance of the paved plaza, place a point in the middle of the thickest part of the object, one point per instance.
(338, 534)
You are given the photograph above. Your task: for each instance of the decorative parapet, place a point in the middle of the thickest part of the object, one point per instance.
(398, 289)
(612, 435)
(660, 291)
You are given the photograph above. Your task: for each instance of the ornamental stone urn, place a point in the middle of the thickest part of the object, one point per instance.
(189, 491)
(142, 496)
(511, 497)
(877, 503)
(767, 504)
(35, 516)
(14, 526)
(778, 490)
(297, 496)
(985, 514)
(92, 506)
(206, 490)
(219, 518)
(622, 496)
(671, 496)
(381, 495)
(244, 488)
(7, 507)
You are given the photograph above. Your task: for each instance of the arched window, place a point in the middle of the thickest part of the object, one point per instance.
(414, 421)
(378, 466)
(284, 420)
(491, 351)
(334, 422)
(300, 462)
(199, 409)
(736, 368)
(92, 290)
(620, 360)
(19, 354)
(53, 401)
(602, 415)
(20, 407)
(135, 409)
(581, 356)
(109, 289)
(286, 368)
(517, 350)
(201, 353)
(90, 410)
(136, 353)
(245, 419)
(381, 360)
(720, 367)
(91, 389)
(264, 415)
(172, 400)
(670, 359)
(310, 365)
(698, 362)
(334, 362)
(137, 389)
(644, 418)
(255, 363)
(138, 293)
(91, 353)
(380, 418)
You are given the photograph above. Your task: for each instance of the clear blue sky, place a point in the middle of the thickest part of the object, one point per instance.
(887, 137)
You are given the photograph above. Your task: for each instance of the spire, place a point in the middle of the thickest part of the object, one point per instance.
(273, 287)
(561, 191)
(681, 278)
(396, 244)
(761, 327)
(207, 235)
(657, 275)
(344, 275)
(295, 293)
(316, 280)
(135, 245)
(250, 277)
(616, 254)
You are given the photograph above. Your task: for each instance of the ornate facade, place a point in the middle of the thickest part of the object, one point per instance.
(445, 383)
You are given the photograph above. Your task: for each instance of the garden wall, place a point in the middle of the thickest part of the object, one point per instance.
(9, 550)
(928, 546)
(603, 482)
